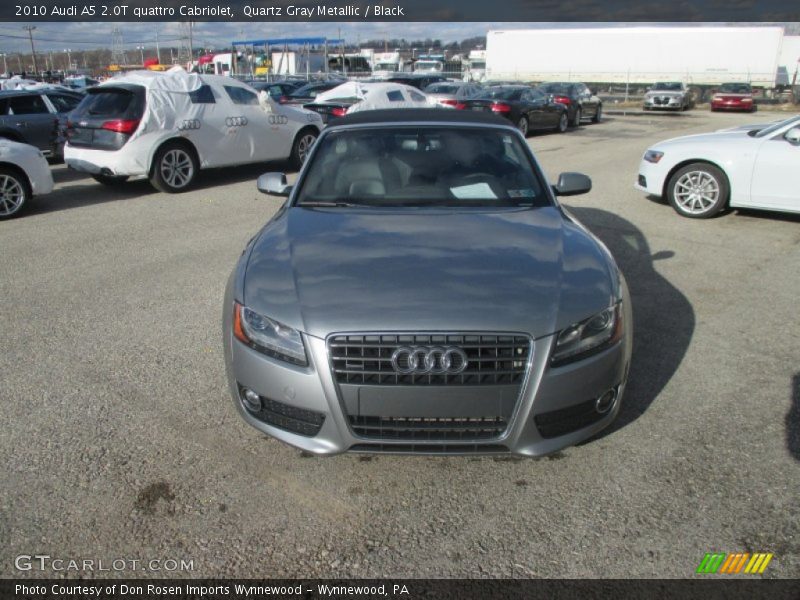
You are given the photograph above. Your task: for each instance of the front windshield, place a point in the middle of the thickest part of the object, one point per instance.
(735, 88)
(668, 86)
(776, 126)
(421, 166)
(386, 67)
(423, 65)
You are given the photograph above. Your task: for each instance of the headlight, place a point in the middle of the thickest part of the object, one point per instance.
(747, 99)
(653, 156)
(588, 336)
(268, 336)
(716, 97)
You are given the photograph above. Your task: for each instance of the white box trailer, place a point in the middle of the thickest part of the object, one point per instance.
(695, 55)
(789, 60)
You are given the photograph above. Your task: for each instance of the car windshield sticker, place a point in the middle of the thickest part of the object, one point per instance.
(525, 193)
(476, 191)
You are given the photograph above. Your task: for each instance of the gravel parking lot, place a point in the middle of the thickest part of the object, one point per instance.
(120, 440)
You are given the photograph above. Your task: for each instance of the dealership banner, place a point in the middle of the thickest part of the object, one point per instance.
(399, 589)
(397, 10)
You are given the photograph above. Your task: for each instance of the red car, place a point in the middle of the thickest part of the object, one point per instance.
(734, 96)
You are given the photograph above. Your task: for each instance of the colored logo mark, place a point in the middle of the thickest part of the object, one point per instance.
(731, 564)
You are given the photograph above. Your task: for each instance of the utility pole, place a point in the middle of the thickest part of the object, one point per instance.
(158, 50)
(30, 29)
(191, 47)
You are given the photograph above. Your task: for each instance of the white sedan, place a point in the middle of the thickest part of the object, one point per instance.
(24, 173)
(703, 174)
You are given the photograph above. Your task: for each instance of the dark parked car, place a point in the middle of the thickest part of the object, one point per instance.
(579, 100)
(309, 91)
(417, 80)
(37, 117)
(527, 108)
(278, 90)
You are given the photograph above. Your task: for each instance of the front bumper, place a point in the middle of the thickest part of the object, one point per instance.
(732, 105)
(651, 177)
(664, 102)
(554, 409)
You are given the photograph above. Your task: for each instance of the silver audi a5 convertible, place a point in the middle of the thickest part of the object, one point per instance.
(422, 291)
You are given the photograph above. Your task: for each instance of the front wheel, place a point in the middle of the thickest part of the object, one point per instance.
(302, 146)
(563, 123)
(522, 125)
(174, 168)
(14, 193)
(698, 191)
(576, 121)
(598, 115)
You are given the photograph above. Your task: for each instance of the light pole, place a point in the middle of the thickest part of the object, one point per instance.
(29, 29)
(69, 58)
(141, 50)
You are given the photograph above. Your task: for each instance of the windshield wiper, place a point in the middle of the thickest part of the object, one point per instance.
(327, 204)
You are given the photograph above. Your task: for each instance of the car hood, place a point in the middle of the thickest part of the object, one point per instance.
(716, 137)
(511, 270)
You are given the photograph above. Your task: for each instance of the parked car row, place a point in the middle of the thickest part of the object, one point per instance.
(549, 106)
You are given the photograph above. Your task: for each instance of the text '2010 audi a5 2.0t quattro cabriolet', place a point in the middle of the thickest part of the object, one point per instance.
(422, 291)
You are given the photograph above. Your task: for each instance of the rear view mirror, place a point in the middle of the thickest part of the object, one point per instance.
(274, 184)
(793, 135)
(572, 184)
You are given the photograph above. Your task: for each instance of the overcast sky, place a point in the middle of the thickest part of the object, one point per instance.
(89, 35)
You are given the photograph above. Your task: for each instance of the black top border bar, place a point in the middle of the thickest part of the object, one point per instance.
(398, 10)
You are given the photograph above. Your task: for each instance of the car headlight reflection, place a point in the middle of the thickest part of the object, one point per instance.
(268, 336)
(588, 336)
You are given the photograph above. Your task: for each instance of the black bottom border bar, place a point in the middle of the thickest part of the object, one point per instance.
(712, 588)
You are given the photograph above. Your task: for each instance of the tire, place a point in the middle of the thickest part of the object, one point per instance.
(754, 109)
(576, 120)
(174, 168)
(563, 123)
(15, 193)
(110, 180)
(598, 115)
(698, 191)
(522, 125)
(645, 108)
(302, 146)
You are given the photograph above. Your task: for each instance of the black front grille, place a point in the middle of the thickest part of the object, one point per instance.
(425, 429)
(491, 359)
(430, 448)
(287, 417)
(566, 420)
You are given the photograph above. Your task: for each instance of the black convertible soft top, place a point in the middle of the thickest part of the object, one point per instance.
(419, 115)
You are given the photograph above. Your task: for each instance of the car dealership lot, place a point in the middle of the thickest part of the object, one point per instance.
(121, 441)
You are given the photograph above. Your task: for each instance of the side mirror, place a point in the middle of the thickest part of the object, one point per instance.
(793, 135)
(274, 184)
(572, 184)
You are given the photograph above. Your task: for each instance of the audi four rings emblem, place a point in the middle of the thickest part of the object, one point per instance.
(236, 121)
(189, 124)
(426, 359)
(278, 119)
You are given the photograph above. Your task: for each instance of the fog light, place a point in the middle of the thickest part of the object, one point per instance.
(251, 400)
(605, 402)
